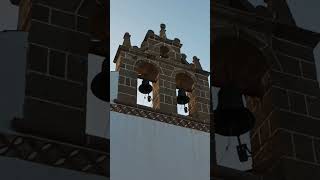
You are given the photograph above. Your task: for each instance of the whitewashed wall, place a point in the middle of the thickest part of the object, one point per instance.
(13, 46)
(97, 121)
(143, 149)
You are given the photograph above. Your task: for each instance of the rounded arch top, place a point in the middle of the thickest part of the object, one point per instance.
(147, 69)
(241, 56)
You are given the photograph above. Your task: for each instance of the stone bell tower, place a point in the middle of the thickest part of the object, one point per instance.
(160, 61)
(274, 64)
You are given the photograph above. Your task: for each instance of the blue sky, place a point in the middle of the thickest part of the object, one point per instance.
(188, 20)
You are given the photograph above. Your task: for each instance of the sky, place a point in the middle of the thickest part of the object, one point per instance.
(187, 20)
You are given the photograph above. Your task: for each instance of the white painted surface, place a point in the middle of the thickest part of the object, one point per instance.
(114, 78)
(14, 169)
(97, 121)
(143, 149)
(13, 48)
(226, 147)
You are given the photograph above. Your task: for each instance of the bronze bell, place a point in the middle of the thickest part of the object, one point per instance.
(99, 84)
(183, 99)
(145, 88)
(231, 118)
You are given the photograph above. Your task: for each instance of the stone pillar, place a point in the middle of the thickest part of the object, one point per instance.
(285, 141)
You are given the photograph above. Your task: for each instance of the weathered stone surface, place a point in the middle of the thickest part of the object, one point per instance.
(55, 90)
(57, 65)
(63, 19)
(40, 13)
(37, 58)
(303, 147)
(58, 38)
(297, 103)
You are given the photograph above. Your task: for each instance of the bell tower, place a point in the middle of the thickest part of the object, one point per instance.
(273, 63)
(164, 70)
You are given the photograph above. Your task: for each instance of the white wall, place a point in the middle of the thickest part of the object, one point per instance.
(13, 46)
(33, 171)
(143, 149)
(114, 78)
(97, 121)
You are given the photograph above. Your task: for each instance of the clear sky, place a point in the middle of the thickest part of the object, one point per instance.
(188, 20)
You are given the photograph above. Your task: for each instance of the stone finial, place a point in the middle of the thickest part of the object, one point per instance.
(150, 33)
(184, 59)
(163, 31)
(126, 40)
(196, 62)
(176, 41)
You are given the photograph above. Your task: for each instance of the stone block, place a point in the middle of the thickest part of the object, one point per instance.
(57, 63)
(77, 68)
(303, 147)
(37, 58)
(63, 19)
(293, 49)
(40, 13)
(297, 103)
(309, 70)
(59, 38)
(54, 122)
(289, 65)
(55, 90)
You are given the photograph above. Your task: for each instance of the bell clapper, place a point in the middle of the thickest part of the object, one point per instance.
(185, 109)
(243, 151)
(149, 98)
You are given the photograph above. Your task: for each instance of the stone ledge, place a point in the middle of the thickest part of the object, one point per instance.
(54, 153)
(146, 112)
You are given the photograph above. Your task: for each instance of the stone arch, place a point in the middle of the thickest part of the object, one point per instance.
(157, 48)
(147, 69)
(259, 57)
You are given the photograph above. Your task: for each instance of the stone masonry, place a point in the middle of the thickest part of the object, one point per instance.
(283, 95)
(56, 76)
(159, 60)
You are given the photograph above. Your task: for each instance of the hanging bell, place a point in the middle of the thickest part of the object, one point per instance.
(231, 118)
(182, 97)
(145, 88)
(99, 84)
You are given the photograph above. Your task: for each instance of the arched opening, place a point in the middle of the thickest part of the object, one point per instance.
(242, 64)
(184, 84)
(147, 83)
(164, 52)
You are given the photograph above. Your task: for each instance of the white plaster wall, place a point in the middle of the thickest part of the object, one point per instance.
(97, 121)
(114, 78)
(13, 46)
(143, 149)
(33, 171)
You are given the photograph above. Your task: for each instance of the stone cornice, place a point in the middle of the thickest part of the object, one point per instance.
(149, 113)
(54, 153)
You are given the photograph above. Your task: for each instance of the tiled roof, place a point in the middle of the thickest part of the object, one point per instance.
(54, 153)
(157, 116)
